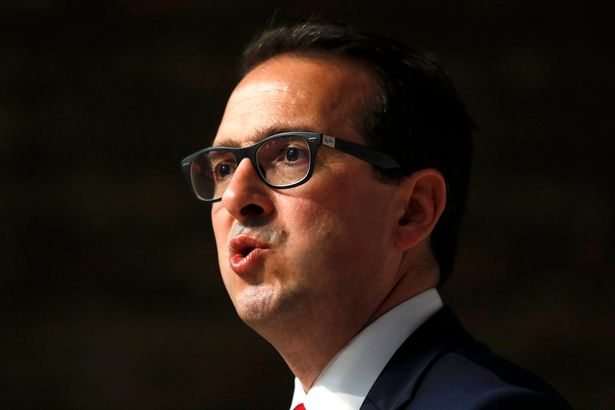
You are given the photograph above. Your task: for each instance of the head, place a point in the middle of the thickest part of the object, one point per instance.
(335, 248)
(414, 113)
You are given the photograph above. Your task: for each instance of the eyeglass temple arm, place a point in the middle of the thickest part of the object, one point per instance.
(367, 154)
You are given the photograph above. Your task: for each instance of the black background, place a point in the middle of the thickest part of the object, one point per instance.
(110, 295)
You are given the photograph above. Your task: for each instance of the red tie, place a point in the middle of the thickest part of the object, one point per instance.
(299, 406)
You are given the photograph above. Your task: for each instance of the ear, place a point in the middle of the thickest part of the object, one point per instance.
(424, 201)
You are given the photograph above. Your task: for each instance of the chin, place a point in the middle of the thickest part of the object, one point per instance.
(256, 304)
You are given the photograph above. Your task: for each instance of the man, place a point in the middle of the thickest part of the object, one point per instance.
(337, 179)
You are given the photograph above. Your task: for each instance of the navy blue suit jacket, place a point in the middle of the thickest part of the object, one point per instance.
(440, 367)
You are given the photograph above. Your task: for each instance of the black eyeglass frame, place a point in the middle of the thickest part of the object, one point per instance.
(314, 141)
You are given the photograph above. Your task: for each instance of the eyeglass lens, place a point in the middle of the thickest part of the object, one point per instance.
(281, 161)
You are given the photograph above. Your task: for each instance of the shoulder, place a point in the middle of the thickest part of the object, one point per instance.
(472, 377)
(441, 366)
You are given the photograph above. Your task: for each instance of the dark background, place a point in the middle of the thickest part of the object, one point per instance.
(110, 295)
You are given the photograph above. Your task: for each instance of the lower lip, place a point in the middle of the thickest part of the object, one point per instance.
(243, 265)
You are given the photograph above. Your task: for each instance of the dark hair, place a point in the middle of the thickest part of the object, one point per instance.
(417, 116)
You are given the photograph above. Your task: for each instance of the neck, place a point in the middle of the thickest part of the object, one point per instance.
(424, 276)
(307, 350)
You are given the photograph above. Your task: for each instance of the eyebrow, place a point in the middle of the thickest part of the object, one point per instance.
(261, 133)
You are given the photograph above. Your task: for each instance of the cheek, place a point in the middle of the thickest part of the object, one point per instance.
(221, 223)
(330, 236)
(221, 228)
(357, 225)
(310, 222)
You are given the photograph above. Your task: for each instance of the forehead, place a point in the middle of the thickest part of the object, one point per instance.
(296, 93)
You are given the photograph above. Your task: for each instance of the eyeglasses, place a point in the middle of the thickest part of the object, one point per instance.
(282, 161)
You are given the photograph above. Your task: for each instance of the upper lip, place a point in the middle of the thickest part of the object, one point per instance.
(244, 244)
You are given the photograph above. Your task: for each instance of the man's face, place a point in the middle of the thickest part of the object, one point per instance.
(320, 251)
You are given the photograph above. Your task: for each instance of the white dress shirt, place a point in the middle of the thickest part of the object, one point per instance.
(345, 381)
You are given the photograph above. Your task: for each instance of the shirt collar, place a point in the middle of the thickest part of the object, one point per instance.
(346, 380)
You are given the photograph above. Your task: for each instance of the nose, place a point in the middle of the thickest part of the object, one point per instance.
(247, 196)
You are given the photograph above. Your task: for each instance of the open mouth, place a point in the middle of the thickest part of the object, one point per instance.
(244, 251)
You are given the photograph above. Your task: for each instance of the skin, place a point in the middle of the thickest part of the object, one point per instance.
(341, 249)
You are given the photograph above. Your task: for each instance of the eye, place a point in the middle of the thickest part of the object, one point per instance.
(222, 170)
(292, 154)
(283, 152)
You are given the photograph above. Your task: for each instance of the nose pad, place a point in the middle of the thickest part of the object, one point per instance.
(247, 196)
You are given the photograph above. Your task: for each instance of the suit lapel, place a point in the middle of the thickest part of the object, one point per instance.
(395, 386)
